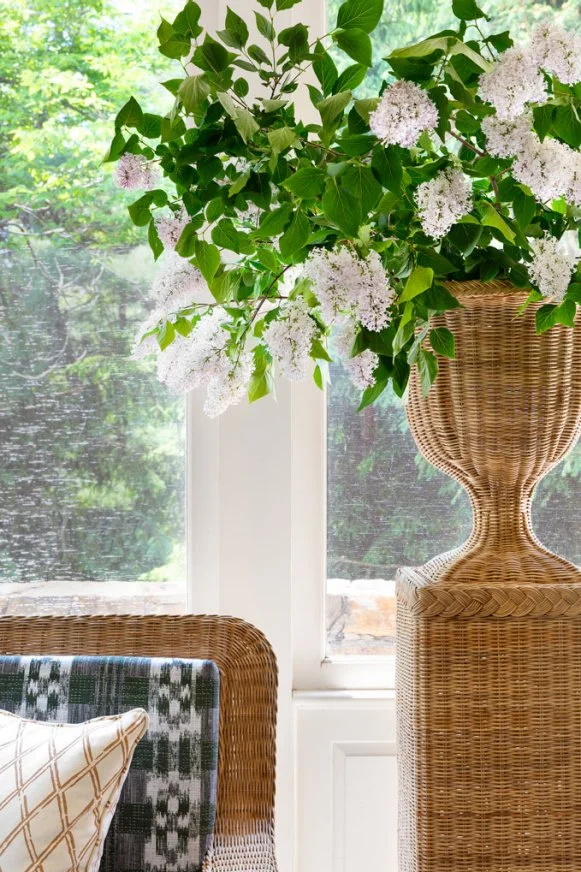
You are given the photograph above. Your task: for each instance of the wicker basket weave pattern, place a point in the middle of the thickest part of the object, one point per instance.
(489, 635)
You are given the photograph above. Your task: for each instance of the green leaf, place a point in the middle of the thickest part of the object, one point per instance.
(116, 147)
(140, 210)
(342, 208)
(225, 235)
(574, 292)
(193, 91)
(465, 237)
(186, 21)
(295, 236)
(282, 138)
(130, 115)
(439, 299)
(350, 78)
(207, 258)
(166, 336)
(543, 119)
(177, 46)
(286, 4)
(236, 28)
(261, 382)
(524, 208)
(420, 280)
(362, 184)
(440, 264)
(319, 352)
(428, 369)
(372, 393)
(566, 313)
(357, 44)
(221, 286)
(325, 69)
(332, 106)
(567, 126)
(150, 126)
(306, 183)
(296, 39)
(447, 44)
(545, 317)
(239, 184)
(211, 56)
(442, 341)
(268, 259)
(164, 31)
(155, 242)
(361, 14)
(273, 223)
(242, 118)
(364, 108)
(467, 10)
(258, 54)
(187, 241)
(491, 218)
(264, 26)
(387, 165)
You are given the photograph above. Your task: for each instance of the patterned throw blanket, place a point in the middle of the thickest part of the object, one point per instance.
(165, 819)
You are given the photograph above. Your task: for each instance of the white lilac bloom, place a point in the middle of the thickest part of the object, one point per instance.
(558, 51)
(552, 266)
(199, 357)
(443, 201)
(223, 392)
(344, 284)
(505, 138)
(169, 227)
(135, 173)
(375, 294)
(144, 345)
(404, 112)
(289, 338)
(514, 82)
(202, 359)
(360, 369)
(547, 168)
(177, 284)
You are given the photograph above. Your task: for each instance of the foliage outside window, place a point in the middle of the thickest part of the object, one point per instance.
(91, 446)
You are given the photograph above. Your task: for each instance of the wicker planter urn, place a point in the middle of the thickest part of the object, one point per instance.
(489, 635)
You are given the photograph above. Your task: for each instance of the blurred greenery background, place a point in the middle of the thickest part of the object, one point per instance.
(91, 446)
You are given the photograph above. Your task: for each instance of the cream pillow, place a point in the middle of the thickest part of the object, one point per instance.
(59, 786)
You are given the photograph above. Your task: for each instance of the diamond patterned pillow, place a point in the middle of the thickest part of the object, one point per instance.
(59, 786)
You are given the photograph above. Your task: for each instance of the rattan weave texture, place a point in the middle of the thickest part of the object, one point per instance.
(244, 831)
(489, 635)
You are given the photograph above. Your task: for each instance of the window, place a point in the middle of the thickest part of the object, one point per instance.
(91, 446)
(386, 506)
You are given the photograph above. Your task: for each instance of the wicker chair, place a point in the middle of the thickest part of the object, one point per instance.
(244, 830)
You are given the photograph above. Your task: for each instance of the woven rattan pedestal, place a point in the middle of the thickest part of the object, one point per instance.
(489, 719)
(489, 635)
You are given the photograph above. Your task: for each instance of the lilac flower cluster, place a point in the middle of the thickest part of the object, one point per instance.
(404, 112)
(443, 201)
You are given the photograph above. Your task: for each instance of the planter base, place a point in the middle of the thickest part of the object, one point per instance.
(489, 719)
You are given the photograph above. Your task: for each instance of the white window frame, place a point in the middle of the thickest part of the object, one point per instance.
(313, 669)
(237, 563)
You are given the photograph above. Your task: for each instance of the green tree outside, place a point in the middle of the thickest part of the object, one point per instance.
(91, 446)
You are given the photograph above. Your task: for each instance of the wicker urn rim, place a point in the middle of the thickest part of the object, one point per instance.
(494, 288)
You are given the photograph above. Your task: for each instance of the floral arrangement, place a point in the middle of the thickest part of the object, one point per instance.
(275, 232)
